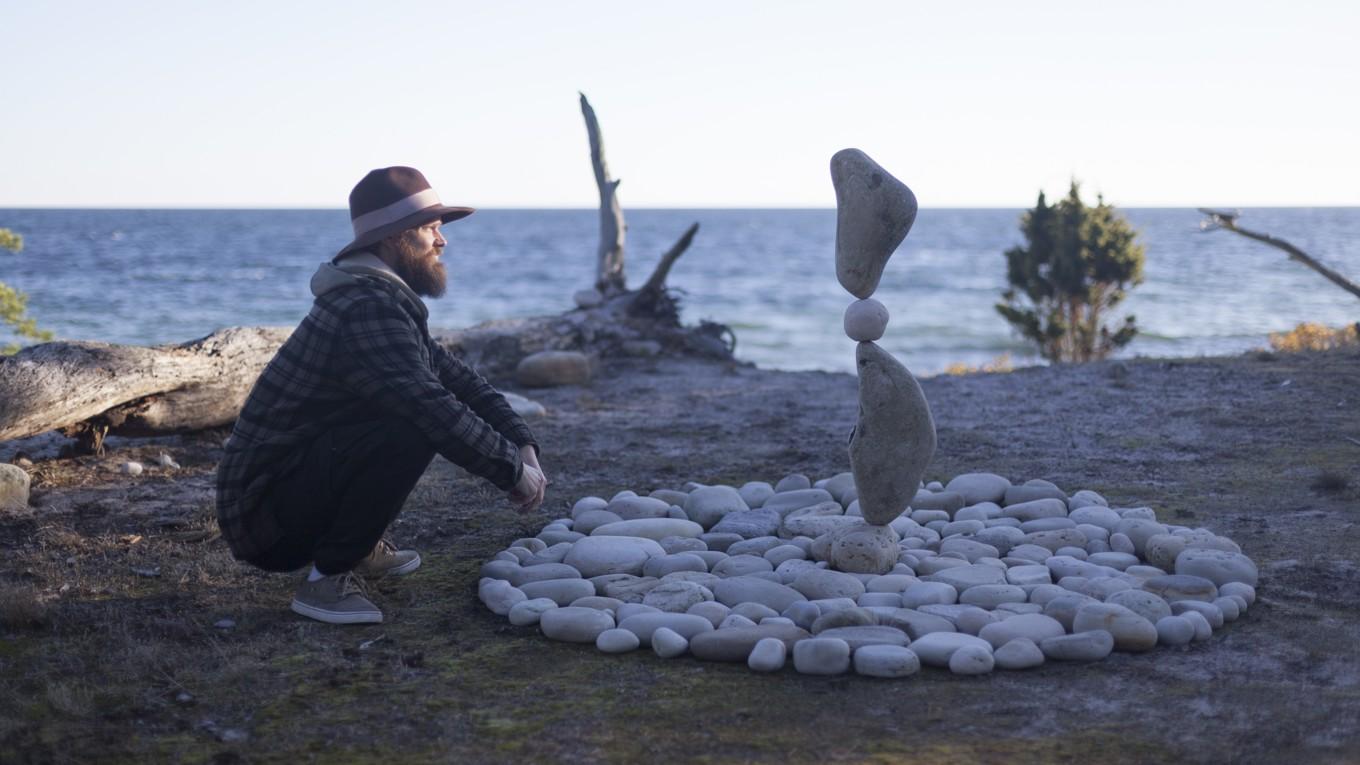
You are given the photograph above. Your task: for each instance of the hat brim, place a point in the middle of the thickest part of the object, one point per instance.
(443, 213)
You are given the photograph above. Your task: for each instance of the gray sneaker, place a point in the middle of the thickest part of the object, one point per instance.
(338, 599)
(387, 559)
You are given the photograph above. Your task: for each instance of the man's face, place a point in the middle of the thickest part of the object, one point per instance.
(415, 257)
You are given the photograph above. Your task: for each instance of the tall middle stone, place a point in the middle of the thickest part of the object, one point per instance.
(894, 439)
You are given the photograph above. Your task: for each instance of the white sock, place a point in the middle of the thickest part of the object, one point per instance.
(315, 575)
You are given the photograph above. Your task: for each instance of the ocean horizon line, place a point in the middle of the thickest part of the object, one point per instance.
(631, 208)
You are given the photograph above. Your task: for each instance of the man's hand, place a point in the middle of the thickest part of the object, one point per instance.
(528, 493)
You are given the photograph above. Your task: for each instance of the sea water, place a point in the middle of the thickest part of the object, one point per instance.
(163, 276)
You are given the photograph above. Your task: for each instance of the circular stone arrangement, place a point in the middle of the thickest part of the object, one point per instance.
(988, 574)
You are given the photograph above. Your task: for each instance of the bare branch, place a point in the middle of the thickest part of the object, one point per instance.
(663, 267)
(1227, 220)
(609, 275)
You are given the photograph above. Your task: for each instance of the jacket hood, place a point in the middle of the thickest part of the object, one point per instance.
(359, 272)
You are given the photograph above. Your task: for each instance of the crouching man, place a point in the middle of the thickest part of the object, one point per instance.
(354, 406)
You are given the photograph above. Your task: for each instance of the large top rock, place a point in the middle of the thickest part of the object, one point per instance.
(894, 438)
(874, 212)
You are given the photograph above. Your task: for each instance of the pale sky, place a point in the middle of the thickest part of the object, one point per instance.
(703, 104)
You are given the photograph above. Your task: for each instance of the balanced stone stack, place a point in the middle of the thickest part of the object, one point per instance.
(894, 438)
(986, 575)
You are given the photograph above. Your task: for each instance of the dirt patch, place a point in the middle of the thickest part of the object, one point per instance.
(114, 584)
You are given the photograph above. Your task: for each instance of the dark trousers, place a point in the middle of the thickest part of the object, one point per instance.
(348, 487)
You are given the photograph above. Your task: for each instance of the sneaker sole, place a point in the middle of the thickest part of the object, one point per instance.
(337, 617)
(402, 570)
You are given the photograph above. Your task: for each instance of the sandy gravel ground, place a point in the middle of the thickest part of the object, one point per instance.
(113, 585)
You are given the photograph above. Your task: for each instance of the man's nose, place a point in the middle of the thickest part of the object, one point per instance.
(439, 240)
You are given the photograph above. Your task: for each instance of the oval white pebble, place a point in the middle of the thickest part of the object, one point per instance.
(768, 655)
(667, 643)
(1175, 630)
(821, 656)
(865, 320)
(617, 641)
(971, 660)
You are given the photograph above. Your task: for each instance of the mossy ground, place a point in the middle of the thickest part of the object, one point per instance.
(113, 585)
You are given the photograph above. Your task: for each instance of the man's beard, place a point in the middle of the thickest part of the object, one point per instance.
(424, 274)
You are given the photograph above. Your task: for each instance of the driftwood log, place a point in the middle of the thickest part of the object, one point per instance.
(1228, 220)
(89, 390)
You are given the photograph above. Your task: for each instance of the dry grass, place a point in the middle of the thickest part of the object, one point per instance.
(21, 608)
(1311, 336)
(1000, 364)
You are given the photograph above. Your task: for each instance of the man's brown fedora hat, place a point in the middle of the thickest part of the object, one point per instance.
(390, 200)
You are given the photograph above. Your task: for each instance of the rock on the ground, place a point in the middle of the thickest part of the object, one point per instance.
(768, 655)
(1218, 566)
(821, 656)
(1079, 646)
(1020, 653)
(886, 661)
(14, 486)
(551, 368)
(594, 556)
(574, 624)
(864, 549)
(894, 438)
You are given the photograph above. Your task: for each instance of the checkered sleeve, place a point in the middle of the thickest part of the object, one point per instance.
(473, 389)
(384, 363)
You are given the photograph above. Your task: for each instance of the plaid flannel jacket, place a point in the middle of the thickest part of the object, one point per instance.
(363, 351)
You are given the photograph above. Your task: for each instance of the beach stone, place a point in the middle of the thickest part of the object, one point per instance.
(768, 655)
(500, 596)
(645, 624)
(744, 589)
(1080, 646)
(880, 600)
(597, 601)
(1175, 630)
(839, 486)
(853, 616)
(893, 583)
(969, 549)
(1035, 627)
(1036, 510)
(754, 611)
(816, 584)
(14, 487)
(630, 590)
(1242, 590)
(755, 493)
(788, 501)
(708, 504)
(947, 502)
(792, 482)
(736, 621)
(1138, 530)
(1116, 560)
(979, 487)
(1032, 490)
(963, 577)
(575, 625)
(755, 546)
(1218, 566)
(711, 610)
(1203, 629)
(972, 660)
(552, 368)
(668, 643)
(616, 640)
(874, 212)
(662, 565)
(865, 320)
(973, 619)
(864, 549)
(821, 656)
(669, 496)
(528, 612)
(1096, 515)
(677, 545)
(1086, 497)
(560, 591)
(914, 623)
(816, 525)
(701, 578)
(858, 637)
(1028, 575)
(1065, 607)
(552, 537)
(649, 528)
(594, 556)
(718, 543)
(1020, 653)
(636, 508)
(1162, 549)
(541, 572)
(1174, 587)
(1145, 604)
(737, 644)
(749, 524)
(992, 595)
(585, 504)
(676, 597)
(782, 553)
(1030, 552)
(936, 648)
(1131, 632)
(1121, 543)
(1211, 613)
(1056, 539)
(1050, 524)
(883, 660)
(742, 565)
(894, 438)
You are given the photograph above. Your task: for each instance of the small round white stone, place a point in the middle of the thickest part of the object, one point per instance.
(971, 660)
(865, 320)
(886, 661)
(1240, 589)
(821, 656)
(617, 641)
(667, 643)
(528, 612)
(768, 655)
(1175, 630)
